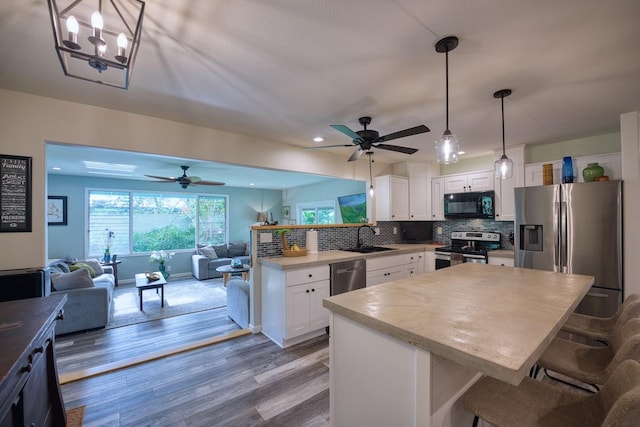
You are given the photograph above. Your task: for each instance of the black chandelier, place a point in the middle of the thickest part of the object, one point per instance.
(97, 41)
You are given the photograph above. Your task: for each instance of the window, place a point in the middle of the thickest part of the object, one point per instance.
(316, 213)
(144, 221)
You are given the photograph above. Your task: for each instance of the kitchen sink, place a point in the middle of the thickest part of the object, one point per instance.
(369, 249)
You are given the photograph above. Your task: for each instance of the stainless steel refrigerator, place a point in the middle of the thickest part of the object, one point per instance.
(574, 228)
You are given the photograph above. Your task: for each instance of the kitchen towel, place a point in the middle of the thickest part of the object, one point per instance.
(312, 241)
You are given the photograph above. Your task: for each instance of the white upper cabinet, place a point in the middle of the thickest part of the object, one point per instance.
(461, 183)
(419, 191)
(505, 200)
(391, 198)
(437, 198)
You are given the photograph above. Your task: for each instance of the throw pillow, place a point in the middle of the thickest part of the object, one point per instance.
(209, 252)
(237, 249)
(79, 265)
(95, 264)
(74, 280)
(59, 267)
(221, 250)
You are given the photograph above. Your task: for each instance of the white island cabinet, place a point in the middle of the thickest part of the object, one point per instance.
(403, 353)
(292, 309)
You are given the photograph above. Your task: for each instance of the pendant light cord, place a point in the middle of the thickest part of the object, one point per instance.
(502, 99)
(446, 56)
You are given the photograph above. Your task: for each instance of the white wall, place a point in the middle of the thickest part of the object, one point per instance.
(27, 122)
(630, 137)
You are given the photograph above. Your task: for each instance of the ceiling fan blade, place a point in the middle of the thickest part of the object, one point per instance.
(344, 129)
(163, 178)
(201, 182)
(355, 156)
(328, 146)
(407, 132)
(399, 149)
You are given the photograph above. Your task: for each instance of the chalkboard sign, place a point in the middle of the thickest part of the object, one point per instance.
(15, 194)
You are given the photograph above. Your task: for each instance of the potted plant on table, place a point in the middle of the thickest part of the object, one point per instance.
(161, 257)
(108, 239)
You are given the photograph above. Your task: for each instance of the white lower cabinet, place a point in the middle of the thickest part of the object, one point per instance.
(503, 261)
(426, 262)
(292, 308)
(392, 267)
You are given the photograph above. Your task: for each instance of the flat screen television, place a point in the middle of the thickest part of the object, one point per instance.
(416, 231)
(353, 208)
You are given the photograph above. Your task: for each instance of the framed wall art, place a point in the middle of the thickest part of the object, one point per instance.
(57, 210)
(15, 194)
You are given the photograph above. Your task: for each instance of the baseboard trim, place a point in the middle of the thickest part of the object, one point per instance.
(126, 363)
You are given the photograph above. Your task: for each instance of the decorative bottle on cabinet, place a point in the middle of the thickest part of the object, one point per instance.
(567, 170)
(592, 171)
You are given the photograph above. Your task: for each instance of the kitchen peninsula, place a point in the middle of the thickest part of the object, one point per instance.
(402, 353)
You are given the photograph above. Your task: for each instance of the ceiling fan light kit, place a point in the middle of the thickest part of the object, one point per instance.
(504, 165)
(371, 189)
(112, 28)
(448, 145)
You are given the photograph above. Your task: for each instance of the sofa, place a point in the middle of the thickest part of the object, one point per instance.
(238, 292)
(207, 258)
(89, 287)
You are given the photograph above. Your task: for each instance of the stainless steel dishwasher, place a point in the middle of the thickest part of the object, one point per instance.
(348, 276)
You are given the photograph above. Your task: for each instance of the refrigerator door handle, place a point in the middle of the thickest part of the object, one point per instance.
(556, 240)
(597, 295)
(563, 237)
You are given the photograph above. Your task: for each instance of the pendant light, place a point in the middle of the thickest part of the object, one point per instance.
(504, 165)
(371, 190)
(448, 145)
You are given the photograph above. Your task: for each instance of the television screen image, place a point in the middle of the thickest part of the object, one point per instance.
(353, 208)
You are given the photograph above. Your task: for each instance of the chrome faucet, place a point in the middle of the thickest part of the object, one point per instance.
(360, 228)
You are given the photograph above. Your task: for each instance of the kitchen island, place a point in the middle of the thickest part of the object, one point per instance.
(402, 353)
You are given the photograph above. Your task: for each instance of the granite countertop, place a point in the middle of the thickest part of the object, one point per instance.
(328, 257)
(497, 320)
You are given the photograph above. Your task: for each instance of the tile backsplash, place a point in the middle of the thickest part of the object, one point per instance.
(333, 238)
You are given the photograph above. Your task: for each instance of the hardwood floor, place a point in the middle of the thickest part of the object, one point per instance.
(246, 381)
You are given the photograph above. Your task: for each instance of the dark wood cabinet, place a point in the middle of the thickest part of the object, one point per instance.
(30, 391)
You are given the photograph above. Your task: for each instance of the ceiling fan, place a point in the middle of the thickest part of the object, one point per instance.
(367, 139)
(185, 180)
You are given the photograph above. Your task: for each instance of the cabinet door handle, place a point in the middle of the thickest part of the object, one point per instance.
(310, 275)
(313, 290)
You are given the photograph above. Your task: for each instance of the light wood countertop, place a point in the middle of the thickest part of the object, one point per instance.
(497, 320)
(329, 257)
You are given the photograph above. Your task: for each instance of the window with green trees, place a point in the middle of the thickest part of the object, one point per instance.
(316, 213)
(142, 222)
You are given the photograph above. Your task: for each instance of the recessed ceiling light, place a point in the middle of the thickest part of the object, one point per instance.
(56, 168)
(252, 184)
(318, 139)
(460, 152)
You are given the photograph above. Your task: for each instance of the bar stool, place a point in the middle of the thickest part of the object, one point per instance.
(601, 328)
(534, 403)
(588, 364)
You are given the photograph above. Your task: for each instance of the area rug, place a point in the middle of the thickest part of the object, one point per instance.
(75, 416)
(180, 297)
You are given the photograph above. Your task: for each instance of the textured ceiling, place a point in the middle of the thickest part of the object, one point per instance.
(285, 70)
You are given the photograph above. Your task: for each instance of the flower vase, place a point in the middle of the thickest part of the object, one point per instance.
(163, 270)
(107, 256)
(592, 171)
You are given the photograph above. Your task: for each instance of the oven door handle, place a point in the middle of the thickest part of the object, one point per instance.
(475, 256)
(444, 257)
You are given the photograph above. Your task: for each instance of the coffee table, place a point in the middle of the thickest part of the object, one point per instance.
(227, 271)
(142, 284)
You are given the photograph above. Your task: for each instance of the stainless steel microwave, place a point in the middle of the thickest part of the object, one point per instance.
(470, 205)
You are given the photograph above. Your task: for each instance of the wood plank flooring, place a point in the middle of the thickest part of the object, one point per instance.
(247, 381)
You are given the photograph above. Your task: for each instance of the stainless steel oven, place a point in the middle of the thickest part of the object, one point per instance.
(467, 246)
